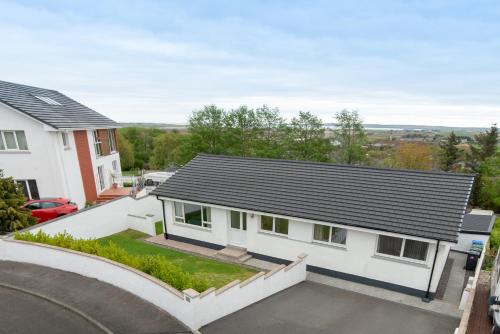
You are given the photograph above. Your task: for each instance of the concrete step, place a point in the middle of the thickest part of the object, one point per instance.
(233, 253)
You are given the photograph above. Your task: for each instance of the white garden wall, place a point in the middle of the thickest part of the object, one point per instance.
(189, 307)
(107, 218)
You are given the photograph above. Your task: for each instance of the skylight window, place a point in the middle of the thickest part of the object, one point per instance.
(48, 100)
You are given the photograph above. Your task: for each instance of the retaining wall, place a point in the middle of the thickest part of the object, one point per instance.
(190, 307)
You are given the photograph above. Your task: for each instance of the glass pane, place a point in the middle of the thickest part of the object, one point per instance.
(207, 214)
(235, 219)
(24, 186)
(244, 217)
(281, 226)
(339, 235)
(21, 140)
(266, 223)
(389, 245)
(2, 145)
(178, 211)
(64, 137)
(10, 141)
(321, 232)
(192, 214)
(415, 249)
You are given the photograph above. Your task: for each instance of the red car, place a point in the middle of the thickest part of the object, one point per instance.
(49, 208)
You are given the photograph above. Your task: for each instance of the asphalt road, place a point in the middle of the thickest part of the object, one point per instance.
(24, 313)
(35, 299)
(319, 309)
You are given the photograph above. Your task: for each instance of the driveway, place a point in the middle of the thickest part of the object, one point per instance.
(315, 308)
(36, 299)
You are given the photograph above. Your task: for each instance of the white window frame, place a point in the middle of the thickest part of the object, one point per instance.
(240, 222)
(114, 163)
(206, 224)
(274, 226)
(111, 141)
(97, 143)
(65, 138)
(330, 242)
(14, 133)
(401, 251)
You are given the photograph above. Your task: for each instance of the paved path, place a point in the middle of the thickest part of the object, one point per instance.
(479, 322)
(320, 309)
(37, 299)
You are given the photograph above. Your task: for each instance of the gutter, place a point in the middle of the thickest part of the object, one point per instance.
(426, 298)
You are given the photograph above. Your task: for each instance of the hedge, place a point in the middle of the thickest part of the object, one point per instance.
(154, 265)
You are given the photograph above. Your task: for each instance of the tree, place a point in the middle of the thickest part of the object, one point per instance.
(449, 152)
(12, 216)
(141, 140)
(242, 129)
(350, 137)
(413, 156)
(207, 130)
(486, 146)
(306, 138)
(488, 181)
(270, 142)
(126, 152)
(166, 150)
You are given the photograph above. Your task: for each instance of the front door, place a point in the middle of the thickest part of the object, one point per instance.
(238, 228)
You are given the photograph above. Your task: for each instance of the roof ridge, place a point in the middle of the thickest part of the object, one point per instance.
(28, 86)
(337, 165)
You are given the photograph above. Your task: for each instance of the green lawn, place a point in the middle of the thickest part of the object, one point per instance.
(217, 273)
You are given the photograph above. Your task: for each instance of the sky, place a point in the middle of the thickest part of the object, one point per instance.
(422, 62)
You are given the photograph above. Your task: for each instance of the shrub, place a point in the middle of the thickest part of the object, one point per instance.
(154, 265)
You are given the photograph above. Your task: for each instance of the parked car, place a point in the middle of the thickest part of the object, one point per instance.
(50, 208)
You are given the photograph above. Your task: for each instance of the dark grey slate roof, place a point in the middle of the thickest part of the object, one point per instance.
(478, 223)
(69, 115)
(417, 203)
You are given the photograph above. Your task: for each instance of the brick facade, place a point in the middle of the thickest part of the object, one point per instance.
(85, 162)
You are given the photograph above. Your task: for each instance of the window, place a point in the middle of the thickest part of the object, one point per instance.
(115, 165)
(193, 214)
(404, 248)
(50, 205)
(13, 140)
(330, 234)
(34, 206)
(97, 143)
(30, 188)
(65, 139)
(48, 100)
(273, 224)
(112, 140)
(100, 175)
(239, 220)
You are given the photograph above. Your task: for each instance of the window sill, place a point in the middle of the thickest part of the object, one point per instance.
(274, 234)
(330, 245)
(201, 228)
(401, 260)
(15, 151)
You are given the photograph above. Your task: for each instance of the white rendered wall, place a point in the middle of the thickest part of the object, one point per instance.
(107, 218)
(357, 258)
(106, 161)
(70, 169)
(40, 162)
(465, 241)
